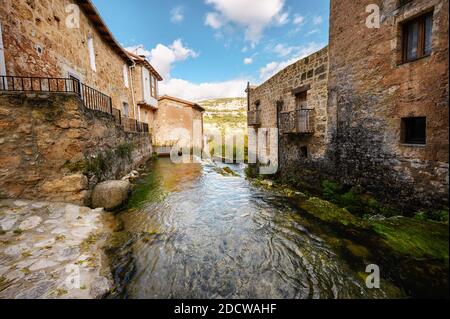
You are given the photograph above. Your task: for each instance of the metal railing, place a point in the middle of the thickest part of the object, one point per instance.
(92, 98)
(254, 118)
(297, 122)
(132, 125)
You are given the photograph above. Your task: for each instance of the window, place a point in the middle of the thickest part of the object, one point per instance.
(2, 54)
(304, 152)
(125, 109)
(417, 36)
(125, 75)
(146, 85)
(152, 86)
(92, 53)
(414, 130)
(301, 100)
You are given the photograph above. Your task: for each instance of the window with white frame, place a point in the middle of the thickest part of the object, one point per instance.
(92, 53)
(125, 75)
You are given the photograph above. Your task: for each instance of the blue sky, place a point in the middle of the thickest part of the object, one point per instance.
(211, 48)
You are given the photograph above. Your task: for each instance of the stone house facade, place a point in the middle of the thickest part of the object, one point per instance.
(295, 102)
(384, 122)
(178, 122)
(389, 98)
(145, 86)
(65, 39)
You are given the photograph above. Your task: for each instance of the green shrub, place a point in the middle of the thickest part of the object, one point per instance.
(125, 151)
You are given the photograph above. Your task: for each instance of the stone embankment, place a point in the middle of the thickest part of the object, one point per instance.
(53, 250)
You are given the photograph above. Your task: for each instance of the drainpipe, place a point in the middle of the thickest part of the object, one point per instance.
(131, 68)
(280, 104)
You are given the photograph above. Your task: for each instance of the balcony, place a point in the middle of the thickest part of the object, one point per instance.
(297, 122)
(91, 98)
(254, 118)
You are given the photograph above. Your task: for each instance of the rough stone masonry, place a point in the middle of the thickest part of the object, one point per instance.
(363, 93)
(53, 148)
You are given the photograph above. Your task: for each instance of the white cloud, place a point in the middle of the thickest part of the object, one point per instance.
(317, 20)
(248, 61)
(274, 67)
(210, 90)
(214, 20)
(298, 19)
(282, 18)
(254, 18)
(163, 57)
(177, 14)
(314, 31)
(281, 50)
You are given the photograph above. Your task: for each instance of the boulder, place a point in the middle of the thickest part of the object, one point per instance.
(111, 194)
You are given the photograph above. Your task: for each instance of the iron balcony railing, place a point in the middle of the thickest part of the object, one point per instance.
(132, 125)
(92, 98)
(254, 118)
(297, 122)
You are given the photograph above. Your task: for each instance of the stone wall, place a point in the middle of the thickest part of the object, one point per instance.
(38, 43)
(371, 91)
(173, 115)
(311, 73)
(53, 148)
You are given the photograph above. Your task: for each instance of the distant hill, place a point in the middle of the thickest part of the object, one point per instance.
(225, 112)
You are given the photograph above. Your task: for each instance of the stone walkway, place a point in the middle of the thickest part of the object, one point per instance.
(52, 250)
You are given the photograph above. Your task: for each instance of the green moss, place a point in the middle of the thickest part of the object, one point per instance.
(79, 166)
(88, 242)
(356, 200)
(61, 292)
(3, 283)
(117, 240)
(418, 239)
(18, 231)
(330, 213)
(100, 164)
(440, 216)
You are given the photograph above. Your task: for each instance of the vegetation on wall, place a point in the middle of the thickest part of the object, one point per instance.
(101, 164)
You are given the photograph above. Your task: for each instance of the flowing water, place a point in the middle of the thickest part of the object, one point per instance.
(200, 234)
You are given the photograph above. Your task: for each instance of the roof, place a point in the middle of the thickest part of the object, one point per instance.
(142, 60)
(94, 16)
(187, 103)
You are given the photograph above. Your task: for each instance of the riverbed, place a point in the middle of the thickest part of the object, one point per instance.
(197, 232)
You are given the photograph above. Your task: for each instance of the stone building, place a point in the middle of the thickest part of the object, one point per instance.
(295, 102)
(67, 109)
(389, 93)
(385, 123)
(64, 39)
(178, 122)
(145, 80)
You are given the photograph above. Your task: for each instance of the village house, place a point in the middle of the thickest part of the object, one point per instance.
(145, 81)
(68, 47)
(178, 122)
(372, 108)
(68, 112)
(295, 102)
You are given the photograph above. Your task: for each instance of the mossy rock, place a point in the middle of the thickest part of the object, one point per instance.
(418, 239)
(330, 213)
